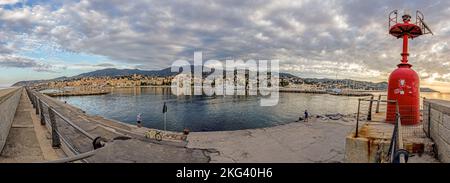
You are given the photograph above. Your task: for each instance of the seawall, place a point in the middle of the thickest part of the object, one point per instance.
(436, 124)
(9, 100)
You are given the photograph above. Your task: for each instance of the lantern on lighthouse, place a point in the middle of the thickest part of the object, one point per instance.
(404, 83)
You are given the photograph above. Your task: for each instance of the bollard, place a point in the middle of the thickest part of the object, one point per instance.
(41, 113)
(56, 143)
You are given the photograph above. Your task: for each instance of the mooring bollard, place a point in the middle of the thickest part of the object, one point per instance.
(56, 143)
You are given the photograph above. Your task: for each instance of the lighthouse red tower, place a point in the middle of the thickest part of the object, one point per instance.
(404, 83)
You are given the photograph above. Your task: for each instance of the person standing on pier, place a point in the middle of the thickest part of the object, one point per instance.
(139, 120)
(306, 116)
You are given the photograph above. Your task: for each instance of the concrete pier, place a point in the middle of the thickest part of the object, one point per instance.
(437, 126)
(316, 141)
(123, 142)
(374, 138)
(9, 99)
(321, 140)
(30, 141)
(27, 141)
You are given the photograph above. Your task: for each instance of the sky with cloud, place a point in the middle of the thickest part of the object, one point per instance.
(41, 39)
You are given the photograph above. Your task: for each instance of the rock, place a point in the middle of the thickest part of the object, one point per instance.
(320, 116)
(336, 116)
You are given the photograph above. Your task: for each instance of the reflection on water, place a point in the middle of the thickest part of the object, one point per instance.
(203, 113)
(435, 95)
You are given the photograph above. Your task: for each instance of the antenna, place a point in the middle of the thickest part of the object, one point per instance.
(421, 23)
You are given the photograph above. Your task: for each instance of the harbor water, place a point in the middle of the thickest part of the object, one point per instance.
(209, 113)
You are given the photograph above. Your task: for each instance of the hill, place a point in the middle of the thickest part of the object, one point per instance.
(112, 72)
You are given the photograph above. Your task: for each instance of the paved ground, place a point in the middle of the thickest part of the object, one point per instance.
(318, 141)
(27, 141)
(298, 142)
(5, 92)
(138, 149)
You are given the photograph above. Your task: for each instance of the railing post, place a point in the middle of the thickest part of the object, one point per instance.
(56, 143)
(32, 100)
(369, 115)
(357, 119)
(378, 104)
(429, 120)
(38, 106)
(41, 113)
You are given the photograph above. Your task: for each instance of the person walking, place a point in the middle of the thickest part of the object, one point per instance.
(306, 116)
(139, 120)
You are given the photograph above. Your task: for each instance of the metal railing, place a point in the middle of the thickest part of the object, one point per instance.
(50, 116)
(370, 102)
(377, 110)
(396, 152)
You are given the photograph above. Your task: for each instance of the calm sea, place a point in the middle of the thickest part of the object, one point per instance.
(203, 113)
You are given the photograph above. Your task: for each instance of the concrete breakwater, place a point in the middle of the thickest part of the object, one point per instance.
(9, 100)
(124, 143)
(352, 94)
(76, 93)
(319, 140)
(436, 124)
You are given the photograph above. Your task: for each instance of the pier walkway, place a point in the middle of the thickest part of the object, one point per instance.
(47, 130)
(27, 141)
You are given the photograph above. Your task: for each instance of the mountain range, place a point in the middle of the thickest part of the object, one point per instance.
(112, 72)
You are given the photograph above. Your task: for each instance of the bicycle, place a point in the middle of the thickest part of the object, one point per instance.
(154, 134)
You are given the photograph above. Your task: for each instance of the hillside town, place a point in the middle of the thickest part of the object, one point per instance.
(119, 81)
(136, 80)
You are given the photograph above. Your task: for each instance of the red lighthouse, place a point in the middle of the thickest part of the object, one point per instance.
(404, 83)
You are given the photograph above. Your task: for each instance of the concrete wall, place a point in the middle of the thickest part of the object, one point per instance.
(8, 106)
(436, 124)
(364, 150)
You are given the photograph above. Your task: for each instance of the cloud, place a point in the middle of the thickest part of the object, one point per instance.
(5, 50)
(6, 2)
(21, 62)
(311, 38)
(105, 65)
(87, 67)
